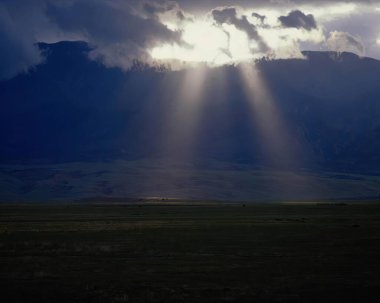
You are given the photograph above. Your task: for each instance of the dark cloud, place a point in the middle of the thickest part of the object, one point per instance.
(153, 8)
(102, 22)
(298, 19)
(18, 50)
(261, 18)
(119, 34)
(117, 29)
(181, 15)
(228, 15)
(123, 30)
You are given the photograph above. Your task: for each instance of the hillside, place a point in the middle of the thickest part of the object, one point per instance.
(72, 109)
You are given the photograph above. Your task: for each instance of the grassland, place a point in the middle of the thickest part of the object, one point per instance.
(213, 180)
(183, 252)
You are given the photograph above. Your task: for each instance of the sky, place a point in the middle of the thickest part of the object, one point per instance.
(183, 33)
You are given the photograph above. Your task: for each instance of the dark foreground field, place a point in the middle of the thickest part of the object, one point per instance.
(190, 253)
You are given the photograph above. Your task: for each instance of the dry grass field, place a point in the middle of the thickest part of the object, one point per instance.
(190, 252)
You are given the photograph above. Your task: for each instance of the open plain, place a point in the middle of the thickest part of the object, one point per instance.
(190, 252)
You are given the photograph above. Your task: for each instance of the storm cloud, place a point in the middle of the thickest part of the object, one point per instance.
(154, 8)
(229, 15)
(298, 19)
(259, 17)
(122, 31)
(117, 30)
(119, 34)
(18, 50)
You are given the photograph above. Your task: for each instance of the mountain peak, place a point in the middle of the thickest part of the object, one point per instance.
(334, 56)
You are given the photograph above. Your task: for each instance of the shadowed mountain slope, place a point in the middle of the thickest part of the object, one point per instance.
(71, 108)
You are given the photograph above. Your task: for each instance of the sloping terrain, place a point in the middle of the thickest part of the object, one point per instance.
(123, 180)
(73, 110)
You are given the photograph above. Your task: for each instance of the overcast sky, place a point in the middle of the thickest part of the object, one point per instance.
(123, 30)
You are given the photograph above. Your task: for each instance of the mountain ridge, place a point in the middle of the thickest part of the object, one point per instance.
(72, 108)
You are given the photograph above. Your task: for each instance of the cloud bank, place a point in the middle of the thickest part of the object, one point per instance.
(119, 31)
(122, 31)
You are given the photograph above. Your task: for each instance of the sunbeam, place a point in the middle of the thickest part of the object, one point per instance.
(278, 146)
(281, 150)
(180, 132)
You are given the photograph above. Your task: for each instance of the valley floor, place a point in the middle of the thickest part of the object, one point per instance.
(217, 180)
(190, 252)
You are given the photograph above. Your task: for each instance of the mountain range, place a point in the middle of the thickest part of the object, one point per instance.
(324, 114)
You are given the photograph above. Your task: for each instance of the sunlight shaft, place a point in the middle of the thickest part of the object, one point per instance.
(275, 140)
